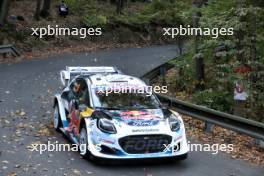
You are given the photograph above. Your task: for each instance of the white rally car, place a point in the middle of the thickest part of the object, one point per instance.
(112, 125)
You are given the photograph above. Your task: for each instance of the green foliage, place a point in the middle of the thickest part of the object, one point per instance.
(158, 12)
(256, 86)
(79, 6)
(161, 12)
(170, 12)
(158, 5)
(164, 5)
(247, 20)
(94, 20)
(220, 100)
(134, 20)
(184, 81)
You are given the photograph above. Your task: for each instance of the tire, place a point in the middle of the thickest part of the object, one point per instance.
(182, 157)
(83, 147)
(56, 119)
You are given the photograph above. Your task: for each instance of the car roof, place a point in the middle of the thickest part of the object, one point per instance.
(106, 79)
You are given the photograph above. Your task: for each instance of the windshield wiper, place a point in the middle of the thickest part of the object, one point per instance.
(108, 108)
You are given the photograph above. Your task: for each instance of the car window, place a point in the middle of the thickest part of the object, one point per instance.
(79, 91)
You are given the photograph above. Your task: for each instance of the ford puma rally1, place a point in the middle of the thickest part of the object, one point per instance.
(106, 123)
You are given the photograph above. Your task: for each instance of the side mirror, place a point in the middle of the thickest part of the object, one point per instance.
(65, 77)
(165, 105)
(65, 95)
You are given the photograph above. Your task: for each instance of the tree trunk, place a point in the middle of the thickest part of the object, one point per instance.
(112, 1)
(45, 11)
(37, 13)
(253, 47)
(4, 7)
(199, 70)
(119, 6)
(198, 58)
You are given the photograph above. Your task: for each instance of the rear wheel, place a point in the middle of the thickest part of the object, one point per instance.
(56, 119)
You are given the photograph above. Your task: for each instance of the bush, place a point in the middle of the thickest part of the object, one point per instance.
(77, 6)
(184, 81)
(94, 20)
(218, 100)
(165, 12)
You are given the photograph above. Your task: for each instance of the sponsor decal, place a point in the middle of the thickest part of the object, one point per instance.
(108, 141)
(138, 118)
(144, 130)
(143, 122)
(178, 138)
(137, 115)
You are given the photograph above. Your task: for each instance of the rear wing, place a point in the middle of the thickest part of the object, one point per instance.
(70, 72)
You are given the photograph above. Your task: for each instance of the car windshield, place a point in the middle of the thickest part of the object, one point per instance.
(125, 101)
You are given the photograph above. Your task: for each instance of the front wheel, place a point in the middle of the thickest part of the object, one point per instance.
(83, 147)
(56, 119)
(182, 157)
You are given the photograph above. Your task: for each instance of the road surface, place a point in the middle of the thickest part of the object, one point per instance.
(26, 91)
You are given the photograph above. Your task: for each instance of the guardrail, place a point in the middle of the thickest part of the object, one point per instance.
(4, 49)
(210, 116)
(160, 70)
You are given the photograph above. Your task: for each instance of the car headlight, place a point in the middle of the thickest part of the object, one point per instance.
(106, 126)
(175, 123)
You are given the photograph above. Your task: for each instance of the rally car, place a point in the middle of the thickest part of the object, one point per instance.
(116, 125)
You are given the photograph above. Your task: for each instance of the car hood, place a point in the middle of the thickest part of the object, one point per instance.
(144, 117)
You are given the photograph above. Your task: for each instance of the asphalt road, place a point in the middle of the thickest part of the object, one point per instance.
(26, 91)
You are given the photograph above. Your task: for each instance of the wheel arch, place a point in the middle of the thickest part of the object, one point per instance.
(58, 102)
(82, 123)
(55, 102)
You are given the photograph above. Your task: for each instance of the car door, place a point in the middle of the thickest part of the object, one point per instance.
(77, 103)
(65, 97)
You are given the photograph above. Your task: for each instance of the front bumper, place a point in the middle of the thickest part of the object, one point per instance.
(103, 145)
